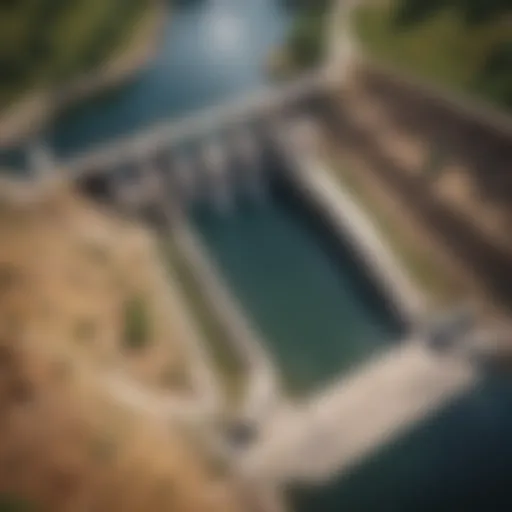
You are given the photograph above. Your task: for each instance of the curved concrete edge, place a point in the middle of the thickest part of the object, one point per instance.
(263, 392)
(209, 398)
(160, 405)
(339, 428)
(350, 223)
(206, 401)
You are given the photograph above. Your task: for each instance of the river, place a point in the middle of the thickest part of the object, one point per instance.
(212, 51)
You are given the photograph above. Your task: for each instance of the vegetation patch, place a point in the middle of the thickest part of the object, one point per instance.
(423, 269)
(9, 276)
(85, 330)
(445, 42)
(136, 323)
(98, 253)
(14, 504)
(174, 377)
(103, 448)
(305, 45)
(52, 41)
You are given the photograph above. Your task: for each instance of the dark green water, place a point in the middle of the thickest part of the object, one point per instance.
(320, 317)
(311, 302)
(460, 460)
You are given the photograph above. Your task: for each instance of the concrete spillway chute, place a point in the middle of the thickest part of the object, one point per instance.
(251, 165)
(185, 179)
(216, 170)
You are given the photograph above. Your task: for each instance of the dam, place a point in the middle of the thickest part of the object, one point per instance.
(341, 340)
(372, 418)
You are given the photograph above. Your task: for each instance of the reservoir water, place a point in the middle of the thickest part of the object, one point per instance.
(212, 51)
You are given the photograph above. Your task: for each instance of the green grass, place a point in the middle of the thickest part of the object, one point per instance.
(136, 323)
(230, 367)
(14, 504)
(428, 276)
(444, 49)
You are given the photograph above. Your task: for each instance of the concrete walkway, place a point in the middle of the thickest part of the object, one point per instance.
(348, 421)
(168, 133)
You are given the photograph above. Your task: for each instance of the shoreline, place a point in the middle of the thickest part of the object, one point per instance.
(27, 117)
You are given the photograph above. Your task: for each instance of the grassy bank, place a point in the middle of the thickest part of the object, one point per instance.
(431, 278)
(444, 49)
(49, 42)
(229, 367)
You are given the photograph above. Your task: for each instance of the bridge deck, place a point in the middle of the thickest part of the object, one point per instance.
(162, 135)
(342, 425)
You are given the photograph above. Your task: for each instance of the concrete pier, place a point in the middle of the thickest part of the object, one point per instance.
(151, 181)
(249, 164)
(345, 423)
(215, 164)
(346, 219)
(263, 390)
(185, 179)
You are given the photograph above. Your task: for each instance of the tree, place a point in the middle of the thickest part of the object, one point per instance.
(471, 11)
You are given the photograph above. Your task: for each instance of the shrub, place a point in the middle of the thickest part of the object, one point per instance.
(174, 377)
(62, 369)
(9, 276)
(85, 330)
(136, 323)
(97, 252)
(10, 503)
(103, 448)
(306, 40)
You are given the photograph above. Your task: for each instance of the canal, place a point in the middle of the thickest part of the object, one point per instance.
(304, 290)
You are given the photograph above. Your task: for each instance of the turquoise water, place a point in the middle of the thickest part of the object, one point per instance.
(458, 461)
(310, 300)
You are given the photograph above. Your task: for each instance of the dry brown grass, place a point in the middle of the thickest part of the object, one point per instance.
(65, 270)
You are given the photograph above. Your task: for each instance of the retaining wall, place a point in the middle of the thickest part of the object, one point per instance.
(351, 225)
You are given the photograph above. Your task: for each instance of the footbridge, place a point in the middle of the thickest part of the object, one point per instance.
(163, 136)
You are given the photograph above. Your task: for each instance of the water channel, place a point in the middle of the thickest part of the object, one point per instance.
(313, 303)
(309, 305)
